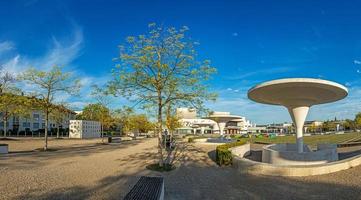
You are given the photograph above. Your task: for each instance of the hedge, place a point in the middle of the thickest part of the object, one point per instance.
(224, 155)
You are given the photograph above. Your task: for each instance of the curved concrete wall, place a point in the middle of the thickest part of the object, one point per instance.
(244, 165)
(251, 167)
(286, 154)
(200, 140)
(241, 151)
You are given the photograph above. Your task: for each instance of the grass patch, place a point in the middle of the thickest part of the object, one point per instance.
(312, 140)
(156, 167)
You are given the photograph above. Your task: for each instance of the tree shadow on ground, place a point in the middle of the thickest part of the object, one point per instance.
(111, 187)
(212, 155)
(206, 180)
(28, 160)
(198, 177)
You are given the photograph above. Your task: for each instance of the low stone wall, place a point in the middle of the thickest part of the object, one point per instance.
(286, 154)
(4, 148)
(126, 138)
(200, 140)
(247, 166)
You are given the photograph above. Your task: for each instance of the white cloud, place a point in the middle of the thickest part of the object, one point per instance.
(268, 71)
(229, 89)
(6, 46)
(62, 53)
(357, 62)
(235, 34)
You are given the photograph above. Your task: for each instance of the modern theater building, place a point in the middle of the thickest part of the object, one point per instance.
(192, 124)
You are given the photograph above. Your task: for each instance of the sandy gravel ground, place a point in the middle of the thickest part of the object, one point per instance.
(87, 170)
(82, 170)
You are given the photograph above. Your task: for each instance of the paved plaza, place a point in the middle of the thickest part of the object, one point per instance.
(78, 170)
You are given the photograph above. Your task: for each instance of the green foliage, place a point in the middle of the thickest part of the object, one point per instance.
(59, 116)
(349, 124)
(358, 120)
(130, 121)
(13, 105)
(140, 123)
(172, 120)
(329, 126)
(224, 155)
(161, 68)
(97, 112)
(46, 85)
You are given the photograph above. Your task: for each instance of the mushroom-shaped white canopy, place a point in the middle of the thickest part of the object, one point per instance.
(297, 95)
(293, 92)
(222, 116)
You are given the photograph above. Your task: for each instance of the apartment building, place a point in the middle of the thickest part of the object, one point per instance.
(34, 122)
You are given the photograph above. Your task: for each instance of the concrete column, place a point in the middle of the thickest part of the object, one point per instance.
(299, 115)
(202, 130)
(194, 131)
(221, 126)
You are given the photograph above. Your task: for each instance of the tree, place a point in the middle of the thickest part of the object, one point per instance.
(358, 120)
(159, 68)
(13, 105)
(59, 116)
(7, 82)
(172, 120)
(12, 102)
(97, 112)
(349, 124)
(122, 118)
(140, 123)
(47, 85)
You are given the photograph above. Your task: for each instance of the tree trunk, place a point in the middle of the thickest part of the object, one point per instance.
(57, 132)
(101, 132)
(5, 126)
(160, 120)
(46, 129)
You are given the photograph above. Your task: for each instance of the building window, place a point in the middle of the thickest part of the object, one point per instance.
(42, 125)
(26, 124)
(36, 125)
(36, 117)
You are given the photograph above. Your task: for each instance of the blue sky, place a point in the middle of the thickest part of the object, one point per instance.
(248, 41)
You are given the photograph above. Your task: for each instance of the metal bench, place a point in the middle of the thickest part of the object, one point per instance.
(147, 188)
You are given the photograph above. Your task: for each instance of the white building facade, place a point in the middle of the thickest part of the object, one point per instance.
(84, 129)
(35, 122)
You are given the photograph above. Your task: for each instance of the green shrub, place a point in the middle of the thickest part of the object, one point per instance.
(224, 155)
